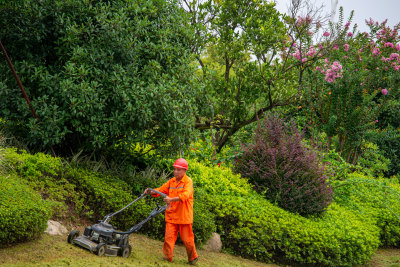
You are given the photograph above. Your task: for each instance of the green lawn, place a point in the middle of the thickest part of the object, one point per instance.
(55, 251)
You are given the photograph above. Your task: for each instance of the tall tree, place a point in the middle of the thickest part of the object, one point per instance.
(100, 74)
(244, 49)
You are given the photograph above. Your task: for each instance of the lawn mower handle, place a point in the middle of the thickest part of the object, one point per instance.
(157, 192)
(107, 218)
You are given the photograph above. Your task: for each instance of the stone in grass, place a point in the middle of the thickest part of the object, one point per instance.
(214, 244)
(55, 228)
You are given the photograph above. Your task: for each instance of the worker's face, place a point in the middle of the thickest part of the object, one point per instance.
(179, 173)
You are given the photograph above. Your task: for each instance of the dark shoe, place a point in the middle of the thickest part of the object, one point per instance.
(167, 259)
(193, 262)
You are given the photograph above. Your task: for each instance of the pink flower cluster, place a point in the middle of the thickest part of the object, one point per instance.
(311, 52)
(376, 51)
(331, 71)
(297, 54)
(303, 20)
(389, 45)
(346, 47)
(371, 22)
(394, 56)
(334, 72)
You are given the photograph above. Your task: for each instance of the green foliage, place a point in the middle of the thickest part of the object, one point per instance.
(203, 216)
(388, 140)
(376, 201)
(252, 227)
(336, 166)
(104, 194)
(99, 74)
(203, 149)
(372, 161)
(44, 174)
(23, 213)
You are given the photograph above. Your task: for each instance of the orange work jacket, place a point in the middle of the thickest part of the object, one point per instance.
(180, 212)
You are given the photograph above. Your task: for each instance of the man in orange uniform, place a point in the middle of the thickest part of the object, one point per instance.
(179, 216)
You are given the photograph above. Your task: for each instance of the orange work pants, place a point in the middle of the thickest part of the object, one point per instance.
(187, 237)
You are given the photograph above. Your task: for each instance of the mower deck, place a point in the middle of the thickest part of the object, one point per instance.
(104, 239)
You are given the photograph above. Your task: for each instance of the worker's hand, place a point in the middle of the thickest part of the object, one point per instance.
(168, 199)
(147, 191)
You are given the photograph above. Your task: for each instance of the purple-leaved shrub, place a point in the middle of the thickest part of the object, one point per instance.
(278, 163)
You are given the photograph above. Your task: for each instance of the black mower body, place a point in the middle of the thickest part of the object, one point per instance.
(104, 239)
(103, 234)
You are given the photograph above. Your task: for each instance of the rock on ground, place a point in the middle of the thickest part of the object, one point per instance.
(214, 244)
(55, 228)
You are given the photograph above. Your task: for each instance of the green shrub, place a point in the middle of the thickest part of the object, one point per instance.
(105, 194)
(336, 167)
(252, 227)
(45, 174)
(23, 213)
(376, 201)
(388, 141)
(373, 162)
(203, 218)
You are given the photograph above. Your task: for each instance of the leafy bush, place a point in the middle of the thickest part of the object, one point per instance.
(278, 164)
(372, 162)
(45, 174)
(203, 151)
(23, 213)
(376, 201)
(105, 194)
(388, 141)
(336, 166)
(252, 227)
(203, 217)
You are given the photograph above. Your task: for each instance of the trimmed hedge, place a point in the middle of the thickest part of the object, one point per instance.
(71, 190)
(45, 174)
(376, 201)
(252, 227)
(249, 225)
(23, 212)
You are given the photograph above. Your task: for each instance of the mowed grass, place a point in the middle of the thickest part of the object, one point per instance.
(386, 257)
(55, 251)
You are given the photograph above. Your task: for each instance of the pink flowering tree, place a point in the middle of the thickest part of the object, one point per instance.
(345, 93)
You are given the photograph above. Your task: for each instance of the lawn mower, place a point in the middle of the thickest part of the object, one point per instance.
(104, 239)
